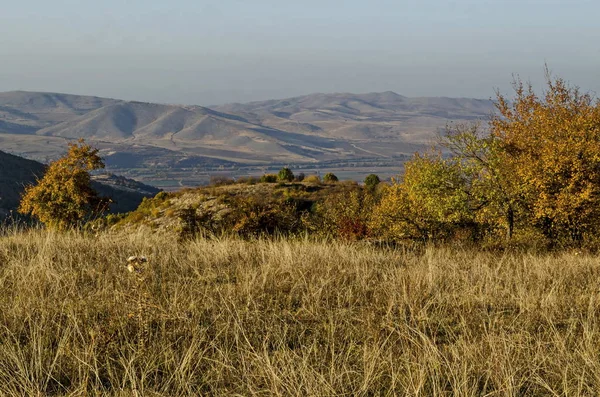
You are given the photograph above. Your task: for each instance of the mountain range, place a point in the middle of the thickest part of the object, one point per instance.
(306, 129)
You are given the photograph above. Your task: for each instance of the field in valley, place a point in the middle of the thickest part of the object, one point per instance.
(292, 317)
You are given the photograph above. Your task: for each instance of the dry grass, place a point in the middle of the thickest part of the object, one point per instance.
(291, 318)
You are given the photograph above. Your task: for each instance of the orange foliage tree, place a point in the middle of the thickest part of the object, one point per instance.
(550, 144)
(64, 196)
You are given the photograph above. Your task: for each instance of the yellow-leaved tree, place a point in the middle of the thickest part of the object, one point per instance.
(431, 201)
(64, 196)
(550, 145)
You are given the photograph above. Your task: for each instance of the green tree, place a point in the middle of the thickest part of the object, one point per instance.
(285, 174)
(432, 200)
(371, 181)
(330, 178)
(64, 196)
(492, 186)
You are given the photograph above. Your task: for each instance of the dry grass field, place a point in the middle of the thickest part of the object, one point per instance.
(292, 318)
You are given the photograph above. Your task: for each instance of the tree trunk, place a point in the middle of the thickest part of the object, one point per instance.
(510, 222)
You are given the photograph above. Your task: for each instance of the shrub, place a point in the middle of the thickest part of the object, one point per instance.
(330, 178)
(218, 180)
(161, 196)
(268, 178)
(372, 180)
(248, 180)
(314, 179)
(254, 216)
(285, 174)
(300, 177)
(344, 214)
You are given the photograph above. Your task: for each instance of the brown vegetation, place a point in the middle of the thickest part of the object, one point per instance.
(291, 317)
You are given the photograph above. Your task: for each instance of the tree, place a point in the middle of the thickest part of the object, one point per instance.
(550, 145)
(371, 181)
(64, 196)
(330, 178)
(432, 200)
(493, 191)
(285, 174)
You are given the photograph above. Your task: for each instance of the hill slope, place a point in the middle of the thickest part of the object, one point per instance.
(312, 128)
(17, 172)
(26, 112)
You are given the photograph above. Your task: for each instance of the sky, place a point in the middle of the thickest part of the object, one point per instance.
(213, 52)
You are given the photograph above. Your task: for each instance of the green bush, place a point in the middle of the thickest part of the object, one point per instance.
(372, 180)
(330, 178)
(268, 178)
(285, 174)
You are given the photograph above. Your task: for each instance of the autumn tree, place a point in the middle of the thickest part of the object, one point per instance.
(432, 199)
(492, 186)
(64, 196)
(550, 145)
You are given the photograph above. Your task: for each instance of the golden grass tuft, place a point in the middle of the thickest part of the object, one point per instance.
(291, 318)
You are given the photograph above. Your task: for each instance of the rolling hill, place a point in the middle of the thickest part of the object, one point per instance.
(307, 129)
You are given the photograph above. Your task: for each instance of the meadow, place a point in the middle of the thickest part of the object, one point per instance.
(292, 317)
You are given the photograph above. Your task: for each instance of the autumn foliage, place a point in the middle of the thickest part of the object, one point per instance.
(535, 170)
(64, 196)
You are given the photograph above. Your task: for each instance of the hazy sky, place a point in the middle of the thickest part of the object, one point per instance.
(211, 52)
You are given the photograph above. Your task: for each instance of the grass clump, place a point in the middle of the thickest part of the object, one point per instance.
(291, 317)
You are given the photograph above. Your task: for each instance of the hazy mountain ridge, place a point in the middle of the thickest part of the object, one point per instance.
(38, 110)
(317, 127)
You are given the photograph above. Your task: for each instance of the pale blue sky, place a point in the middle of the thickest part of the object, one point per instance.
(211, 52)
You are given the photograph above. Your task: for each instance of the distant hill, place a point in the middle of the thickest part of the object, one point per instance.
(364, 117)
(312, 128)
(17, 172)
(27, 112)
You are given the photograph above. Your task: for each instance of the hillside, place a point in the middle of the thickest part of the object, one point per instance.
(307, 129)
(243, 208)
(27, 112)
(17, 172)
(370, 116)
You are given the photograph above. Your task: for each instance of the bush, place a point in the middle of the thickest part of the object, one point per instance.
(217, 180)
(161, 196)
(300, 177)
(285, 174)
(345, 214)
(330, 178)
(248, 180)
(372, 180)
(254, 217)
(268, 178)
(314, 179)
